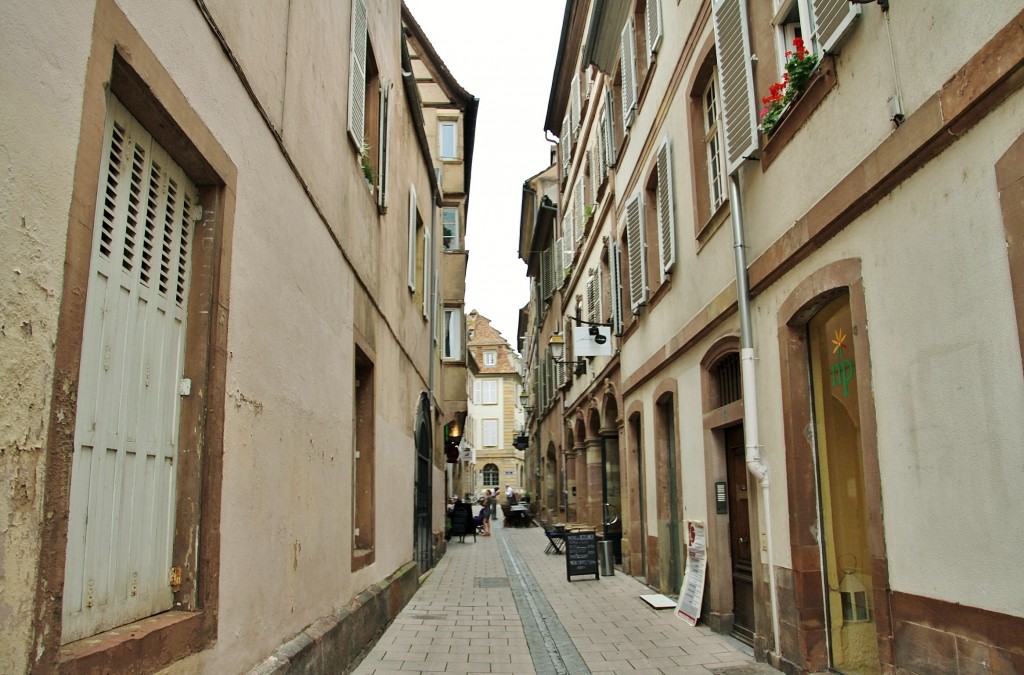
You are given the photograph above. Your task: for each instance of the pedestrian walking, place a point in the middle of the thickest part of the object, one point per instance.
(486, 504)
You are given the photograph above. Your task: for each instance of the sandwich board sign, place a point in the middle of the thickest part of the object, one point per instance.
(692, 593)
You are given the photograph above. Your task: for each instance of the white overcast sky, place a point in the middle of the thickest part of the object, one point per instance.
(504, 54)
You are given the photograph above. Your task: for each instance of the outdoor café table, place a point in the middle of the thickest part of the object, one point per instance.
(520, 515)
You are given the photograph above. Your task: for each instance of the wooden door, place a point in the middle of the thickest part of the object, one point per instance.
(124, 464)
(739, 536)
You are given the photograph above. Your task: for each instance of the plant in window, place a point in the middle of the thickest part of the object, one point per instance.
(588, 211)
(364, 162)
(800, 65)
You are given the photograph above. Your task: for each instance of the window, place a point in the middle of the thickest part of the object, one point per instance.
(452, 342)
(627, 71)
(490, 433)
(712, 143)
(823, 24)
(653, 27)
(490, 358)
(368, 106)
(615, 286)
(636, 254)
(666, 209)
(450, 227)
(415, 226)
(490, 392)
(363, 472)
(490, 475)
(448, 139)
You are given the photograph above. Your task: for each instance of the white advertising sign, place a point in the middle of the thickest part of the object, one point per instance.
(692, 593)
(591, 341)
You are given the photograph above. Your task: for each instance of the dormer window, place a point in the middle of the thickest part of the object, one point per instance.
(490, 358)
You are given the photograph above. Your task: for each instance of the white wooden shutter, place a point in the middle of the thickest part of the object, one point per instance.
(559, 261)
(453, 333)
(615, 286)
(412, 238)
(592, 309)
(574, 104)
(609, 109)
(578, 208)
(599, 295)
(124, 459)
(666, 210)
(357, 73)
(545, 273)
(654, 28)
(739, 116)
(832, 21)
(637, 254)
(568, 251)
(477, 389)
(628, 71)
(602, 145)
(565, 148)
(383, 147)
(428, 255)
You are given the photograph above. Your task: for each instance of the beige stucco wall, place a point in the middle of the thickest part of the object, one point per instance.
(301, 288)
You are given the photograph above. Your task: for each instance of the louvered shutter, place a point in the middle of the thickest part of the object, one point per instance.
(124, 460)
(428, 256)
(627, 69)
(578, 207)
(832, 21)
(609, 110)
(592, 311)
(574, 104)
(637, 257)
(546, 281)
(565, 148)
(559, 261)
(602, 145)
(383, 146)
(666, 210)
(654, 28)
(477, 391)
(615, 286)
(555, 261)
(568, 251)
(739, 116)
(412, 238)
(599, 295)
(357, 73)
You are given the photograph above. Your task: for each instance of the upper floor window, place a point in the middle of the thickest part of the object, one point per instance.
(368, 107)
(490, 358)
(452, 341)
(450, 225)
(489, 391)
(490, 433)
(822, 24)
(448, 139)
(712, 143)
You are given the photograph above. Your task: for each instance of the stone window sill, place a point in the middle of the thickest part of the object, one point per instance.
(820, 84)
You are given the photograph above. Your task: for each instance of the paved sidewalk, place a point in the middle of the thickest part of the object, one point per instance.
(501, 605)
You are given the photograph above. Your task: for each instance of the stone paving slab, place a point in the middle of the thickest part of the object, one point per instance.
(501, 605)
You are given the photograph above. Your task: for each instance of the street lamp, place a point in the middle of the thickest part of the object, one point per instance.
(557, 346)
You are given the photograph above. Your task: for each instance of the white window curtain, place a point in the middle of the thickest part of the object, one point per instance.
(452, 333)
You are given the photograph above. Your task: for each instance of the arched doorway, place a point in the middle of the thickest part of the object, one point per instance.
(611, 474)
(668, 573)
(423, 541)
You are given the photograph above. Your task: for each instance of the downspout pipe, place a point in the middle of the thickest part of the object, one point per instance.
(751, 434)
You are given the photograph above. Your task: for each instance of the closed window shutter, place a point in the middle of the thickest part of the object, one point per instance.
(609, 120)
(592, 310)
(477, 386)
(559, 261)
(357, 73)
(565, 147)
(666, 210)
(545, 273)
(637, 258)
(599, 295)
(412, 238)
(427, 259)
(615, 286)
(602, 145)
(382, 144)
(628, 71)
(574, 104)
(567, 252)
(732, 44)
(578, 207)
(654, 28)
(833, 19)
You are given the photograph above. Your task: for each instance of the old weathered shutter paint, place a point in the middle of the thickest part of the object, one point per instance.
(637, 255)
(412, 238)
(627, 69)
(124, 462)
(832, 20)
(383, 143)
(739, 117)
(666, 210)
(654, 28)
(615, 286)
(357, 73)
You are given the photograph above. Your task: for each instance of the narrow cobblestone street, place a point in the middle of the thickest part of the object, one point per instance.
(501, 605)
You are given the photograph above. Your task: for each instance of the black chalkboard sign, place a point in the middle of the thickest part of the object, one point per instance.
(580, 554)
(462, 521)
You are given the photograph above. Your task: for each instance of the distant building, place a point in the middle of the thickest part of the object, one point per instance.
(495, 414)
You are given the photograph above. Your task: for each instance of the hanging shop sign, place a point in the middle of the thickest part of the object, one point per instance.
(592, 341)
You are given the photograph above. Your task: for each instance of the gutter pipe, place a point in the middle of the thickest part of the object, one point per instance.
(751, 434)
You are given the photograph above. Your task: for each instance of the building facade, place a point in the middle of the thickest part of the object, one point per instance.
(225, 417)
(495, 415)
(840, 411)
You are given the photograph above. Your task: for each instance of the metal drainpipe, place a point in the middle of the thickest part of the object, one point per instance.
(751, 435)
